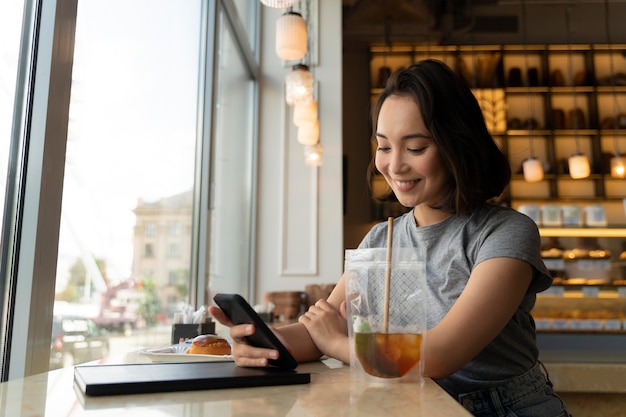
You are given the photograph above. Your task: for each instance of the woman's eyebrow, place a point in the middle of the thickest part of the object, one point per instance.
(409, 136)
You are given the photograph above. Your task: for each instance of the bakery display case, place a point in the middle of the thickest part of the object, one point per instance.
(551, 103)
(582, 317)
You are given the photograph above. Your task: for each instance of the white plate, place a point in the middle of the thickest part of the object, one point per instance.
(178, 353)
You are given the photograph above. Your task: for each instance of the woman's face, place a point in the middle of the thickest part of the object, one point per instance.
(407, 155)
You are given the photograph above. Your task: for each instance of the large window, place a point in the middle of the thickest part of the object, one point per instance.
(150, 140)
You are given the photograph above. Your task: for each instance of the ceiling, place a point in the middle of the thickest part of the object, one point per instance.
(448, 21)
(387, 21)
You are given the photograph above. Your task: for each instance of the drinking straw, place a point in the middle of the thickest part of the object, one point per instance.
(388, 274)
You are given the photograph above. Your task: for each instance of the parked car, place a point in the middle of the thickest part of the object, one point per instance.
(76, 340)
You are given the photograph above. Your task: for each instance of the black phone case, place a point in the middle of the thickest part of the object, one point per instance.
(240, 312)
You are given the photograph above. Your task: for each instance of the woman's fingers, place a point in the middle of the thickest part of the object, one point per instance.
(245, 354)
(219, 315)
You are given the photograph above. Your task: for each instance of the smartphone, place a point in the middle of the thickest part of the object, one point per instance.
(239, 311)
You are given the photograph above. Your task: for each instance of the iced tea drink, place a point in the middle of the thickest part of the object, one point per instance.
(388, 355)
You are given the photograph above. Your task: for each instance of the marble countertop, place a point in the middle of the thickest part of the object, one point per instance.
(332, 392)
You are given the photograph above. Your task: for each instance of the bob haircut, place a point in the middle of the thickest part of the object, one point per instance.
(478, 170)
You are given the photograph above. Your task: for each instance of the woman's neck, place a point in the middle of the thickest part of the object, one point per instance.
(427, 216)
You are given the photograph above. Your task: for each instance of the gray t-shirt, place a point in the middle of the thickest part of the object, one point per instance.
(453, 248)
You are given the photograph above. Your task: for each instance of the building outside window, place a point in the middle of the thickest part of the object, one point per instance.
(150, 230)
(174, 250)
(148, 251)
(175, 229)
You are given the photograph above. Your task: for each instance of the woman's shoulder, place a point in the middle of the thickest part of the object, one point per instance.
(497, 212)
(377, 235)
(504, 218)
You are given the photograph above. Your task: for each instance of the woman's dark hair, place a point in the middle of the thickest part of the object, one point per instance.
(478, 169)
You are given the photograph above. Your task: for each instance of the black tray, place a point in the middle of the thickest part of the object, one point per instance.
(99, 380)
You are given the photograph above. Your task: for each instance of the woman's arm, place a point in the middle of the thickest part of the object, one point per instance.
(327, 324)
(493, 293)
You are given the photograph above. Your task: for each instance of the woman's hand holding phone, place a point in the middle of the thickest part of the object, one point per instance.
(243, 353)
(253, 343)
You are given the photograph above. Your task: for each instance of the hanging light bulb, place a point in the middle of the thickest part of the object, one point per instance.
(299, 85)
(291, 37)
(305, 113)
(618, 166)
(533, 170)
(278, 4)
(532, 167)
(618, 162)
(314, 155)
(578, 163)
(579, 166)
(309, 133)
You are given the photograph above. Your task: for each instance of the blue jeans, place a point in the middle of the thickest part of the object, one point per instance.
(527, 395)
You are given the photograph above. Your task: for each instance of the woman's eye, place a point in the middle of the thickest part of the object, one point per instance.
(418, 150)
(383, 149)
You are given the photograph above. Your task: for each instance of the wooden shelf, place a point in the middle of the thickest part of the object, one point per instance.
(619, 232)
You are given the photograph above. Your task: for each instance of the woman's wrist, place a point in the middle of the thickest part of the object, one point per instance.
(340, 350)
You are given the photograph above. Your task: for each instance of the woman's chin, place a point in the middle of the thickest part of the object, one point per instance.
(405, 202)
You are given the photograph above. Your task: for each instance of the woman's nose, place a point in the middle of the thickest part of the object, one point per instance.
(396, 162)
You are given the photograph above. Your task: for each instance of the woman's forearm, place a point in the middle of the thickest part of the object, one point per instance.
(299, 342)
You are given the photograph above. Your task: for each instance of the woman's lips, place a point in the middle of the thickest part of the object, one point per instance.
(405, 185)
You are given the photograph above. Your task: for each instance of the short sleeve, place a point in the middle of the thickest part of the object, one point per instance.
(514, 235)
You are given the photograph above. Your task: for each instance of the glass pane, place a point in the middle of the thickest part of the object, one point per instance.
(126, 221)
(230, 238)
(247, 10)
(10, 31)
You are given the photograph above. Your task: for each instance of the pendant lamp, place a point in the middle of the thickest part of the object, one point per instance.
(533, 170)
(299, 85)
(578, 163)
(579, 166)
(618, 166)
(314, 155)
(291, 37)
(618, 162)
(278, 4)
(309, 133)
(305, 113)
(532, 167)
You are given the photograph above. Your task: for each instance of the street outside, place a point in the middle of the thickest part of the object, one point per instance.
(148, 338)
